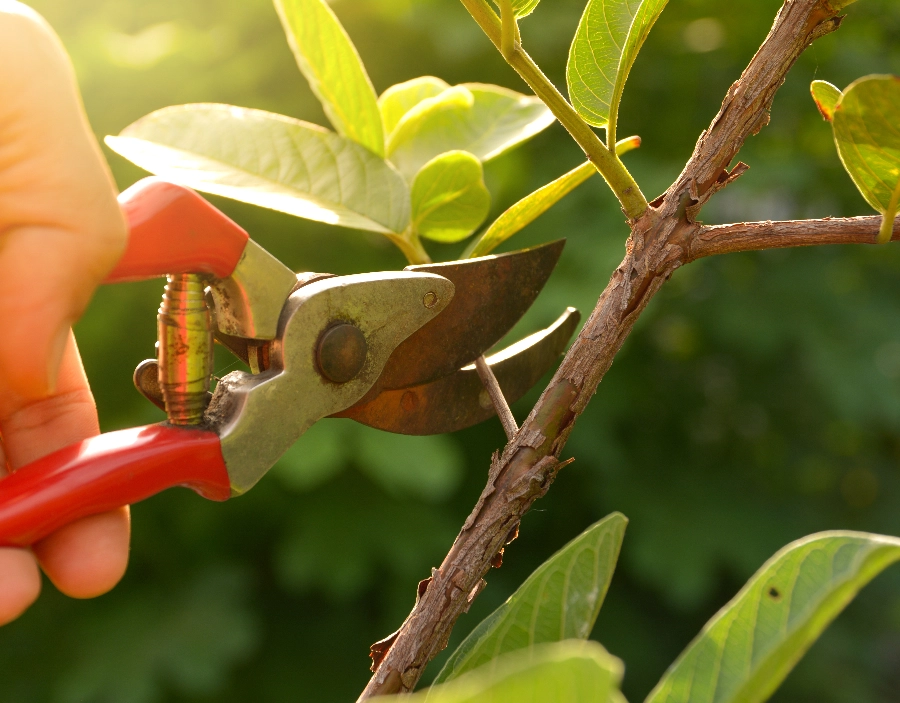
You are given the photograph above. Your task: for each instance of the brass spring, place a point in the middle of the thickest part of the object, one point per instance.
(184, 327)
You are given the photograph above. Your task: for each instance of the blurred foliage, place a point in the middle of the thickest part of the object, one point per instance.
(757, 401)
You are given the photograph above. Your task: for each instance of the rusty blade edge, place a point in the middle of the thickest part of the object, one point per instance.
(492, 294)
(458, 401)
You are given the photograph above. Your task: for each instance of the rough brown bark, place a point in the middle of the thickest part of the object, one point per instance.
(665, 237)
(754, 236)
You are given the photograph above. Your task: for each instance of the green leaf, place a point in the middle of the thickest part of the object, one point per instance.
(523, 8)
(826, 97)
(399, 99)
(269, 160)
(528, 209)
(572, 671)
(748, 648)
(336, 74)
(607, 41)
(623, 146)
(484, 120)
(560, 600)
(867, 133)
(449, 198)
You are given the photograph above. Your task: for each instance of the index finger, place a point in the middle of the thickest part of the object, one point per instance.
(61, 228)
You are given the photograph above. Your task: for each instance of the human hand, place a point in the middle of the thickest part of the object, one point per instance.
(61, 231)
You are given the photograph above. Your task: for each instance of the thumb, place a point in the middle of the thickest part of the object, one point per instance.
(61, 229)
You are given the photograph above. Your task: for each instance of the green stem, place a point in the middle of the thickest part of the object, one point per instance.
(611, 126)
(607, 163)
(411, 246)
(887, 222)
(509, 29)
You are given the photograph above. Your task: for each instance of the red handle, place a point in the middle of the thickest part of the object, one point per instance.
(174, 230)
(105, 472)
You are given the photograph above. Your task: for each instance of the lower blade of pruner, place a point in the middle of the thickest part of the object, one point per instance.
(459, 400)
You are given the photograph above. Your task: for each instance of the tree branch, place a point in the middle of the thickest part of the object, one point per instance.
(662, 239)
(754, 236)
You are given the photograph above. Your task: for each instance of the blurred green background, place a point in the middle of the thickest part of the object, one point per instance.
(757, 401)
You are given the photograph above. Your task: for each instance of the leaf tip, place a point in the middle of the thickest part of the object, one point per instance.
(827, 98)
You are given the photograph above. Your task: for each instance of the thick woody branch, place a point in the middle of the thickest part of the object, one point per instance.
(754, 236)
(661, 240)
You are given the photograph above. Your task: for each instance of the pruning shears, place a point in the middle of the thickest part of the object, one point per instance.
(393, 350)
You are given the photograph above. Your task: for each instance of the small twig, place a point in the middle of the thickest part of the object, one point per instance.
(755, 236)
(497, 398)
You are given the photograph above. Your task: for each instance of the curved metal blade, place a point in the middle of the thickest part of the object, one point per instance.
(492, 294)
(459, 400)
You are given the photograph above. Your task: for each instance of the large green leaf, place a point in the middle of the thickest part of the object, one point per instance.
(399, 99)
(747, 649)
(560, 600)
(484, 120)
(609, 36)
(269, 160)
(449, 198)
(572, 671)
(528, 209)
(826, 97)
(328, 59)
(867, 133)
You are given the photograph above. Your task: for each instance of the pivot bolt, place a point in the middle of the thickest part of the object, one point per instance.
(341, 352)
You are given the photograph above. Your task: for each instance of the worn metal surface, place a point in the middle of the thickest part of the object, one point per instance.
(258, 417)
(248, 303)
(146, 380)
(492, 294)
(460, 400)
(255, 352)
(184, 329)
(341, 352)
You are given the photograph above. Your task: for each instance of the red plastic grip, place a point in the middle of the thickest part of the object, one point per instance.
(174, 230)
(105, 472)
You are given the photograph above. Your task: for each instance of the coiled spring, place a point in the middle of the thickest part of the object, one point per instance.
(184, 327)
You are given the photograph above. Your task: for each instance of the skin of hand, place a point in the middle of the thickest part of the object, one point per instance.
(61, 231)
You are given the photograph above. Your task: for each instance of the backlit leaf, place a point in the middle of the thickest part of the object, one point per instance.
(572, 671)
(399, 99)
(747, 649)
(826, 97)
(523, 8)
(484, 120)
(269, 160)
(449, 198)
(336, 74)
(867, 133)
(528, 209)
(559, 601)
(609, 36)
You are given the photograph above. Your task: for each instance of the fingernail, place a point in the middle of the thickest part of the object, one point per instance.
(55, 356)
